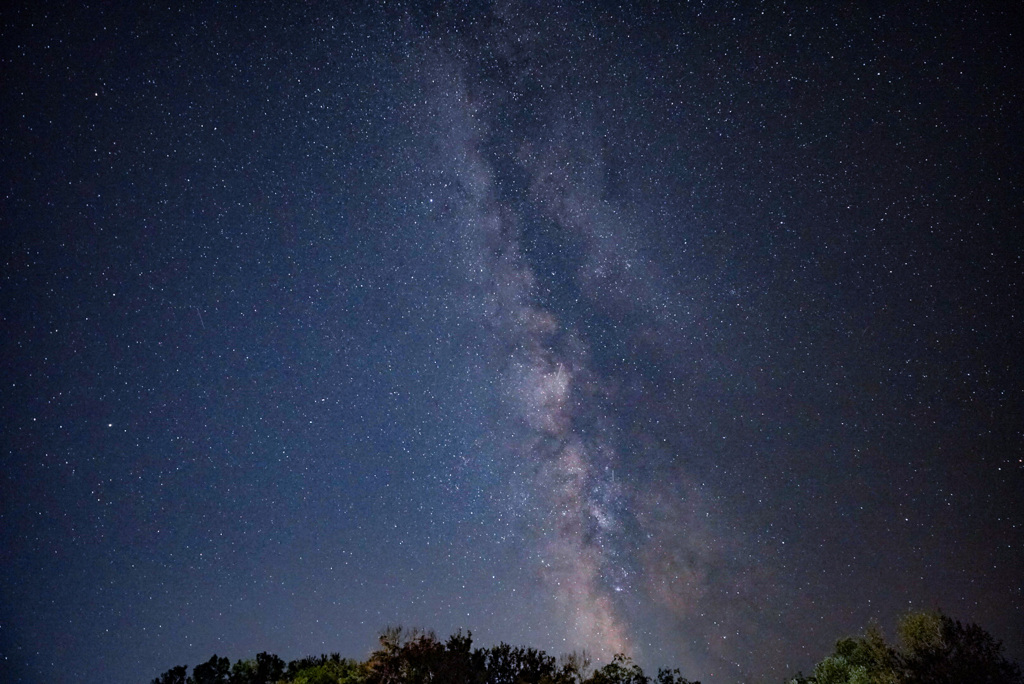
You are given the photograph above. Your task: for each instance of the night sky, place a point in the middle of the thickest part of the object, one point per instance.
(687, 331)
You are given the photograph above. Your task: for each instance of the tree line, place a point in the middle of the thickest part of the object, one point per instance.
(931, 648)
(417, 657)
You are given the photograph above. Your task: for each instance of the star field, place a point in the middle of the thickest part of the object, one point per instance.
(685, 331)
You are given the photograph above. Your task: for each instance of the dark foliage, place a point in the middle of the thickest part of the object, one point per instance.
(214, 671)
(176, 675)
(504, 664)
(932, 649)
(960, 653)
(416, 657)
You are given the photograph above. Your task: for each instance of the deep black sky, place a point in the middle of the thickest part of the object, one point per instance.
(688, 331)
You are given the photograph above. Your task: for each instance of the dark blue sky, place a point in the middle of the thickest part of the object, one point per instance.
(686, 331)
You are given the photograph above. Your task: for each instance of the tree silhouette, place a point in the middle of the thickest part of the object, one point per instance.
(932, 649)
(214, 671)
(175, 675)
(935, 649)
(504, 664)
(622, 670)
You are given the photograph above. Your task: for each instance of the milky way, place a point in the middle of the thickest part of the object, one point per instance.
(607, 537)
(576, 500)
